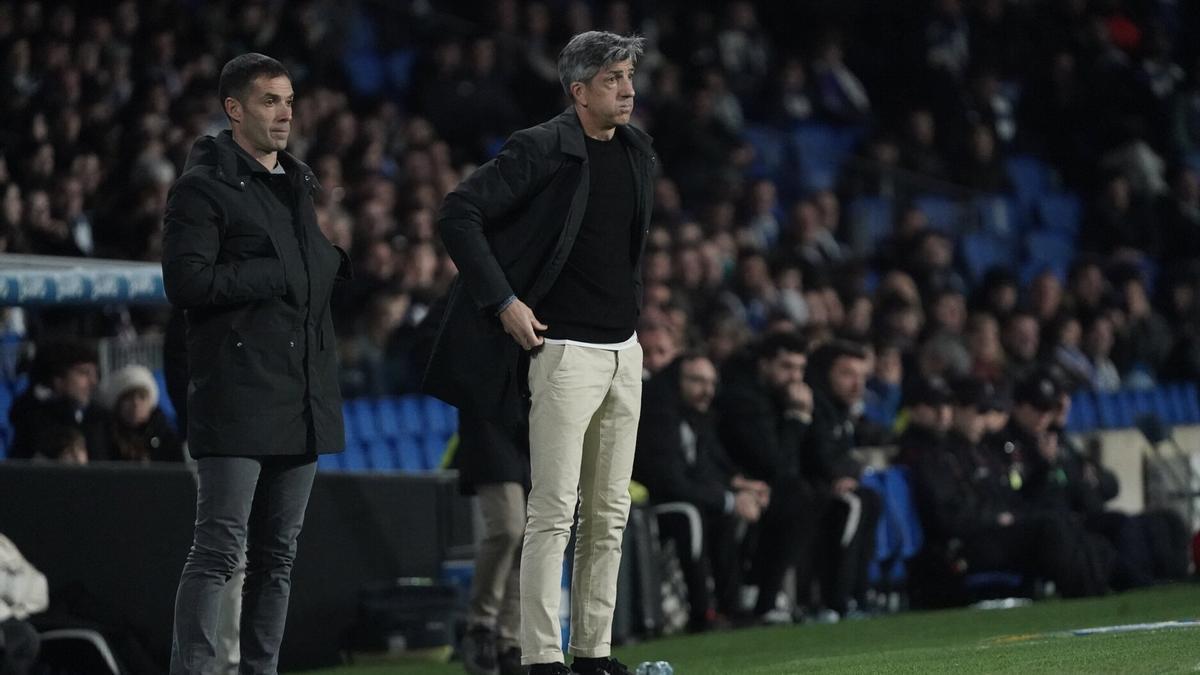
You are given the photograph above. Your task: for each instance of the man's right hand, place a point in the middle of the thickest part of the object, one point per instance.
(519, 322)
(745, 505)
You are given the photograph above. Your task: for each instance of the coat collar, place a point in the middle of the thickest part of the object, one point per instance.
(234, 164)
(570, 135)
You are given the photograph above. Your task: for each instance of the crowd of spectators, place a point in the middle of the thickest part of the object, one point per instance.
(396, 102)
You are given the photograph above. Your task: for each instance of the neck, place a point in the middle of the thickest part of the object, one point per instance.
(267, 158)
(591, 128)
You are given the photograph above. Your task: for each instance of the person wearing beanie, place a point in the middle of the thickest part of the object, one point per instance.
(138, 429)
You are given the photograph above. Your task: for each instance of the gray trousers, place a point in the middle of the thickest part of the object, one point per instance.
(243, 504)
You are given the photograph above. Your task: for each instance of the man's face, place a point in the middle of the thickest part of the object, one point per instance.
(264, 118)
(1023, 337)
(1032, 419)
(783, 370)
(77, 383)
(698, 384)
(133, 408)
(658, 349)
(607, 98)
(932, 417)
(848, 379)
(970, 423)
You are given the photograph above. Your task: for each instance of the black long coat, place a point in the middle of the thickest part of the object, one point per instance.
(509, 228)
(255, 286)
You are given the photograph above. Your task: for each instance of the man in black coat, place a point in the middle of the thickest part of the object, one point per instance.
(243, 255)
(928, 402)
(680, 459)
(845, 541)
(548, 239)
(764, 409)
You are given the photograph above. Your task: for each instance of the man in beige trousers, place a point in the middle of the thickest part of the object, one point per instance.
(548, 238)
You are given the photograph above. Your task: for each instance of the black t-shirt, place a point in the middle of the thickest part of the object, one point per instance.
(593, 298)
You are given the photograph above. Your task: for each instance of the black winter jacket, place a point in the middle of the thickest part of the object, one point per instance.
(255, 283)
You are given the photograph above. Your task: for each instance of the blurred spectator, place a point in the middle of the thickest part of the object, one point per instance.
(1045, 296)
(62, 381)
(138, 428)
(764, 410)
(843, 548)
(1022, 344)
(919, 152)
(23, 591)
(660, 346)
(1122, 221)
(927, 402)
(1180, 217)
(1098, 343)
(987, 351)
(981, 168)
(681, 459)
(1144, 342)
(841, 97)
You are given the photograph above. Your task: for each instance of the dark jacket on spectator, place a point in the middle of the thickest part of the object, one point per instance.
(753, 427)
(36, 416)
(831, 436)
(155, 441)
(509, 228)
(255, 281)
(488, 454)
(679, 457)
(959, 490)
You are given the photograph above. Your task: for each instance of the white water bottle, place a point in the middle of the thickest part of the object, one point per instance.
(654, 668)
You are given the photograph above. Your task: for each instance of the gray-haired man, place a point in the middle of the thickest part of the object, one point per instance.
(548, 238)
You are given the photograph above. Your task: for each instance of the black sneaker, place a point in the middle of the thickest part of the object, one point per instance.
(602, 666)
(479, 651)
(558, 668)
(509, 661)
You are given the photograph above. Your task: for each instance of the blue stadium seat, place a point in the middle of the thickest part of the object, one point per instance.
(433, 446)
(411, 454)
(770, 151)
(870, 220)
(329, 462)
(981, 252)
(354, 458)
(399, 65)
(380, 455)
(993, 583)
(1083, 416)
(1060, 212)
(1163, 407)
(1191, 401)
(437, 416)
(387, 416)
(1108, 410)
(818, 151)
(1030, 177)
(1049, 248)
(412, 418)
(359, 414)
(1000, 216)
(945, 215)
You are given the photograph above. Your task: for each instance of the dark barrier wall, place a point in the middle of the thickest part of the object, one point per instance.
(122, 533)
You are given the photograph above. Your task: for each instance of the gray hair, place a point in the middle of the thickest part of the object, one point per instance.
(588, 52)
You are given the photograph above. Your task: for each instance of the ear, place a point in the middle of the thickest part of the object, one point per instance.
(577, 93)
(233, 109)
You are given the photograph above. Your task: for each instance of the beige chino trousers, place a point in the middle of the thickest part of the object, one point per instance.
(582, 434)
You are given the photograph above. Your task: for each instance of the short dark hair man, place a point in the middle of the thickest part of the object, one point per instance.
(548, 240)
(63, 381)
(243, 255)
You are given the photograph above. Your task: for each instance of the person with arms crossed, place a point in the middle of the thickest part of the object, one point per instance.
(548, 238)
(243, 255)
